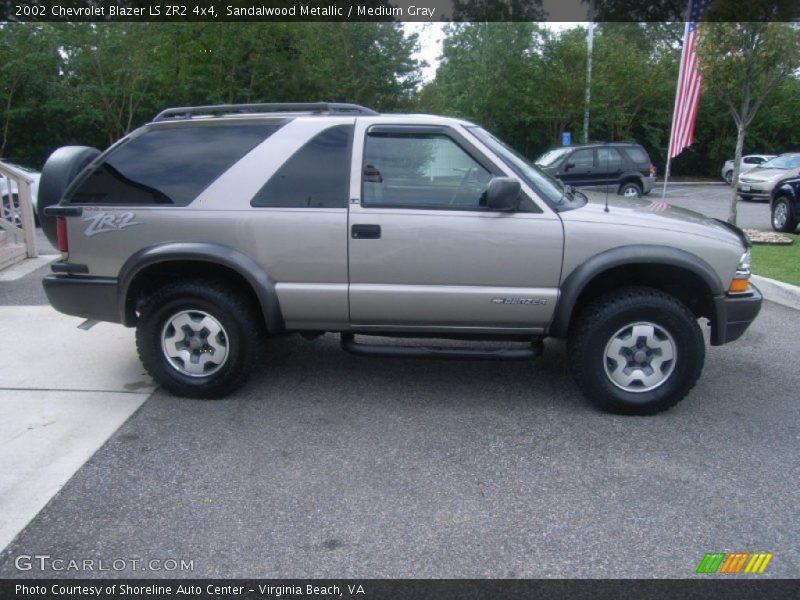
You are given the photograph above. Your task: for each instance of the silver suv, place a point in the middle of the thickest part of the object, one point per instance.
(212, 229)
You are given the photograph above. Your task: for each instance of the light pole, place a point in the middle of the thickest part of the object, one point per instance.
(589, 44)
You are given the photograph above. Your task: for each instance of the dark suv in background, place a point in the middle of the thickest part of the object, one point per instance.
(621, 167)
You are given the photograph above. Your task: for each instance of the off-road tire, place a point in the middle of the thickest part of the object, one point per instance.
(597, 325)
(788, 222)
(243, 327)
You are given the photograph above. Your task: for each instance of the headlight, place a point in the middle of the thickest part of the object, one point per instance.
(741, 279)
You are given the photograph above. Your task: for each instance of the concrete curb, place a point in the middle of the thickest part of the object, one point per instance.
(671, 183)
(778, 292)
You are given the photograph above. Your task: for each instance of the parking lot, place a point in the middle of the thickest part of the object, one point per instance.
(331, 465)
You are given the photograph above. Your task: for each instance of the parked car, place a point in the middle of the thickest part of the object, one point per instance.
(785, 205)
(212, 229)
(758, 183)
(619, 167)
(8, 193)
(749, 161)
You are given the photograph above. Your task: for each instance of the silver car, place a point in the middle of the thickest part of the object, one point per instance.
(213, 229)
(758, 183)
(749, 161)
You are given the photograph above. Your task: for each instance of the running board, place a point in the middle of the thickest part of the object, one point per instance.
(386, 351)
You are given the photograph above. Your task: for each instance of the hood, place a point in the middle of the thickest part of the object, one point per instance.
(761, 174)
(654, 214)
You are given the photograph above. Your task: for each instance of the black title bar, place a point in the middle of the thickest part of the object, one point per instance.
(396, 10)
(704, 587)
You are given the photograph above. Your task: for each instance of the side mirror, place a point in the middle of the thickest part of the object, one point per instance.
(568, 166)
(503, 194)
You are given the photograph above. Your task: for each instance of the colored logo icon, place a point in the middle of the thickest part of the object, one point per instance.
(734, 563)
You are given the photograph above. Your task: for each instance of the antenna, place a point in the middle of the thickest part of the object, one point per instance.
(608, 155)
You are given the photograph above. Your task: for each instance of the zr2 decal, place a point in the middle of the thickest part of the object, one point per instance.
(104, 222)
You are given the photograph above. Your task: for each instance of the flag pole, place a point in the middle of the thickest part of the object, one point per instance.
(677, 93)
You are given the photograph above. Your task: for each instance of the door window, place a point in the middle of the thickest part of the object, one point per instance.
(421, 170)
(582, 159)
(609, 159)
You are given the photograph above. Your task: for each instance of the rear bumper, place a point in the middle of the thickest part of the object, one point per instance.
(87, 297)
(648, 183)
(733, 315)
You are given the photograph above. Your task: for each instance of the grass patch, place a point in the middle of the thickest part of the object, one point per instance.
(778, 262)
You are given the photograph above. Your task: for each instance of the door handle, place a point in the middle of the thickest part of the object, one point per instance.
(365, 232)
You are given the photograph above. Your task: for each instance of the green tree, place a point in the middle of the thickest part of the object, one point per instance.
(742, 64)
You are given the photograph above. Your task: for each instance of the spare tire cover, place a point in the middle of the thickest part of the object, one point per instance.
(60, 169)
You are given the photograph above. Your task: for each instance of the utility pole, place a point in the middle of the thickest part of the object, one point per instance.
(589, 44)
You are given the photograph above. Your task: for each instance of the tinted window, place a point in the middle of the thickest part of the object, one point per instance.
(637, 155)
(582, 158)
(551, 157)
(316, 176)
(752, 160)
(421, 170)
(170, 166)
(609, 159)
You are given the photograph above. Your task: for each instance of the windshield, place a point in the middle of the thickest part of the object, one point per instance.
(782, 162)
(550, 188)
(551, 156)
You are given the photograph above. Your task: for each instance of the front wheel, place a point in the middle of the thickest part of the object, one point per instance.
(783, 218)
(636, 351)
(199, 339)
(729, 177)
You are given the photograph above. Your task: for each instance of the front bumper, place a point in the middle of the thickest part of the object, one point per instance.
(88, 297)
(753, 190)
(733, 315)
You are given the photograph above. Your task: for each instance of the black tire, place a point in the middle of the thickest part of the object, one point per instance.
(631, 189)
(729, 177)
(600, 322)
(61, 168)
(782, 215)
(242, 326)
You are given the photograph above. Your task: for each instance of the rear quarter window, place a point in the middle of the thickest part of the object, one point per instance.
(316, 176)
(171, 165)
(637, 155)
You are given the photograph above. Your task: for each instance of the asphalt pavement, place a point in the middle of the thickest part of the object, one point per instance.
(330, 465)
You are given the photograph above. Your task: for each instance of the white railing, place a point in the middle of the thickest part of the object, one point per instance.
(16, 215)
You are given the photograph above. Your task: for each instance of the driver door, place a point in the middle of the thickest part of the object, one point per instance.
(425, 254)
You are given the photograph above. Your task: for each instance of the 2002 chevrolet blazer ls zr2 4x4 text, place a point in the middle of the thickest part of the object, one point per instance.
(213, 228)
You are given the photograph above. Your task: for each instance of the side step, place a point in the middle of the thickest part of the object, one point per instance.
(382, 350)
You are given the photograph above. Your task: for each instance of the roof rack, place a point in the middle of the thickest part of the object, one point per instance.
(329, 108)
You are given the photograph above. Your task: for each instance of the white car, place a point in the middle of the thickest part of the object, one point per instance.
(758, 183)
(749, 161)
(7, 198)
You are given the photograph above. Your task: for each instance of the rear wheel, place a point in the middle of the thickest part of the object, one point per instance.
(630, 189)
(636, 351)
(783, 217)
(199, 339)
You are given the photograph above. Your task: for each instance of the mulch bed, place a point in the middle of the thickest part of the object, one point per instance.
(768, 238)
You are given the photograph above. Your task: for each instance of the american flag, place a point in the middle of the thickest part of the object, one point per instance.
(689, 83)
